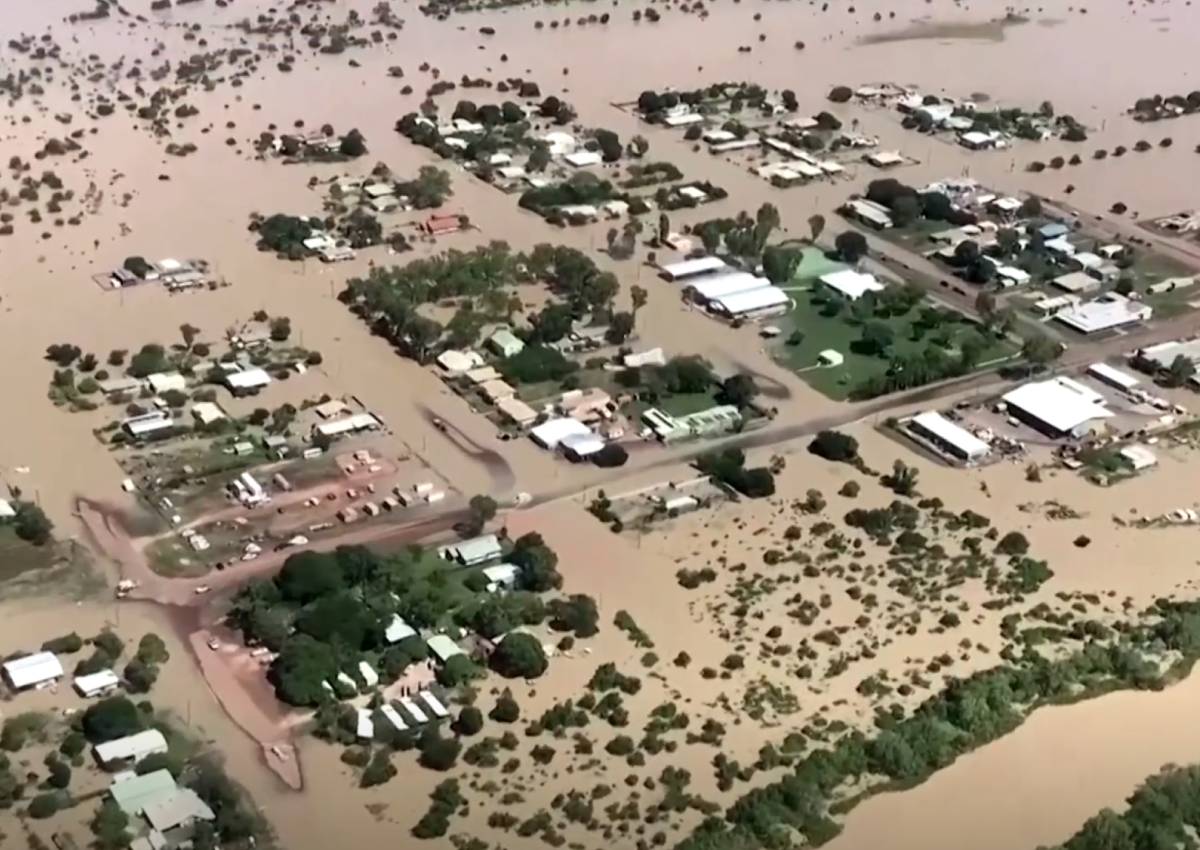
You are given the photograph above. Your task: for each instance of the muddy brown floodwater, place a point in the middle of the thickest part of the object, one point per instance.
(1033, 786)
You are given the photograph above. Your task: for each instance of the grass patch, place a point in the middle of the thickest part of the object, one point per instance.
(18, 557)
(840, 332)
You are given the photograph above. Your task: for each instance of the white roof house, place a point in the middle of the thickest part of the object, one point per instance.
(393, 717)
(31, 670)
(952, 437)
(443, 648)
(549, 434)
(761, 301)
(716, 286)
(7, 511)
(870, 213)
(851, 284)
(181, 808)
(691, 268)
(247, 379)
(207, 412)
(502, 576)
(94, 684)
(369, 676)
(347, 425)
(414, 711)
(1076, 282)
(161, 382)
(433, 703)
(583, 159)
(1107, 312)
(831, 357)
(477, 550)
(516, 411)
(365, 728)
(456, 362)
(1112, 377)
(148, 423)
(581, 446)
(1058, 406)
(1011, 275)
(398, 630)
(505, 343)
(1138, 456)
(131, 748)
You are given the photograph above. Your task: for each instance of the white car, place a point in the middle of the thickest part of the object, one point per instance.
(202, 589)
(214, 644)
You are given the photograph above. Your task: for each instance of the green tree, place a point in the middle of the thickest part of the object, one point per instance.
(307, 576)
(110, 826)
(816, 226)
(835, 446)
(902, 480)
(877, 338)
(44, 805)
(1040, 350)
(637, 298)
(32, 524)
(140, 677)
(506, 709)
(111, 718)
(620, 327)
(850, 245)
(457, 671)
(738, 390)
(1181, 370)
(520, 656)
(470, 720)
(299, 673)
(353, 144)
(1013, 543)
(538, 563)
(152, 650)
(438, 753)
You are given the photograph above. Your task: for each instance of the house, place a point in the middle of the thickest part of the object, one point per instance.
(505, 343)
(751, 304)
(1055, 305)
(443, 648)
(978, 141)
(247, 381)
(549, 434)
(683, 119)
(131, 749)
(367, 672)
(31, 671)
(331, 408)
(398, 630)
(714, 420)
(884, 159)
(1113, 377)
(162, 382)
(1061, 246)
(134, 793)
(411, 708)
(501, 577)
(480, 376)
(7, 511)
(711, 287)
(587, 405)
(207, 413)
(1058, 407)
(693, 193)
(650, 357)
(352, 424)
(95, 684)
(1138, 457)
(433, 704)
(1053, 230)
(1011, 276)
(477, 550)
(869, 213)
(1105, 313)
(148, 424)
(454, 362)
(948, 436)
(1077, 283)
(1158, 358)
(583, 159)
(559, 143)
(1007, 205)
(182, 808)
(831, 357)
(112, 386)
(850, 284)
(516, 411)
(579, 447)
(364, 729)
(497, 390)
(440, 225)
(691, 268)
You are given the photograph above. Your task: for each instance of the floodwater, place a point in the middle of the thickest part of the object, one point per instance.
(47, 296)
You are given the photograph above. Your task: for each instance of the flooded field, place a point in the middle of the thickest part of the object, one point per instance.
(130, 197)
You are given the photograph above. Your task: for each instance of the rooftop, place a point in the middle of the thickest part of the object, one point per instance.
(32, 669)
(135, 793)
(1061, 403)
(852, 284)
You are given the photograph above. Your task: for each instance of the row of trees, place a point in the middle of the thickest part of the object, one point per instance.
(968, 714)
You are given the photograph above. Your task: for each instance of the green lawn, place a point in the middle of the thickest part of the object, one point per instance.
(840, 332)
(813, 264)
(687, 403)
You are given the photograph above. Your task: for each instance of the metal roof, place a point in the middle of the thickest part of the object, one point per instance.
(32, 669)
